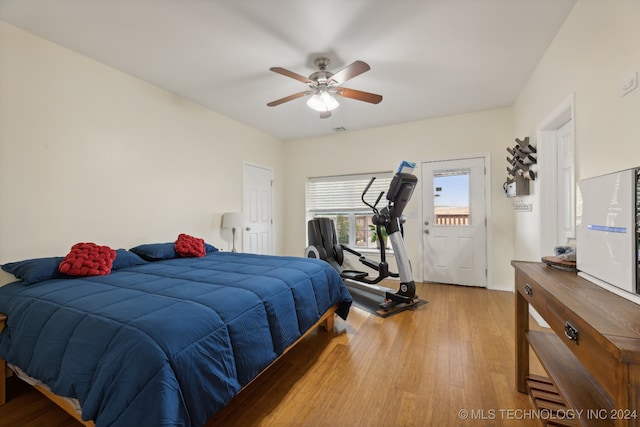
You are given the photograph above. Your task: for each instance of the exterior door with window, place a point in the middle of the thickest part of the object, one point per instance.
(257, 210)
(454, 221)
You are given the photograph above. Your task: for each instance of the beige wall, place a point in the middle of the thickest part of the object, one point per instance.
(88, 153)
(594, 52)
(383, 148)
(153, 165)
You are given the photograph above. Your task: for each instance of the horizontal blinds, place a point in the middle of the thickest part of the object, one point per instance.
(343, 193)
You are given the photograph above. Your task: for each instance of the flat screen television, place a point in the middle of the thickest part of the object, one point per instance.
(607, 233)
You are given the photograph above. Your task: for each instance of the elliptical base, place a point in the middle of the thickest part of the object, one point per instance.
(392, 302)
(389, 308)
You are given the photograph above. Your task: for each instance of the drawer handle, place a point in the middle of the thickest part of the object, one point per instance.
(528, 290)
(570, 332)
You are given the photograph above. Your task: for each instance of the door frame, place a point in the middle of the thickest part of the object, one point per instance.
(547, 165)
(244, 210)
(487, 194)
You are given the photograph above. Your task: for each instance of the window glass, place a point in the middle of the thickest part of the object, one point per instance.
(341, 223)
(451, 198)
(339, 198)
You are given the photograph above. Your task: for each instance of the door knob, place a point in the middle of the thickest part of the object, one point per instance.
(248, 228)
(426, 231)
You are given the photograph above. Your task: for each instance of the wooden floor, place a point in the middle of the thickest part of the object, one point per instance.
(447, 363)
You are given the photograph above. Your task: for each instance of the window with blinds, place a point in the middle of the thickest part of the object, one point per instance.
(339, 198)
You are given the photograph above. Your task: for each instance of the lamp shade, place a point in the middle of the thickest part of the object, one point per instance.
(232, 220)
(322, 101)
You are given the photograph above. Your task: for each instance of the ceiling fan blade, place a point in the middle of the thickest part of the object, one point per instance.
(349, 72)
(291, 74)
(325, 114)
(288, 98)
(359, 95)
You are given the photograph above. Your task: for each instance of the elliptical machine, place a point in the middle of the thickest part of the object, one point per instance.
(323, 243)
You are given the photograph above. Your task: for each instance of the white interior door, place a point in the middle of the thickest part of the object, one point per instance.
(565, 185)
(454, 221)
(556, 186)
(258, 210)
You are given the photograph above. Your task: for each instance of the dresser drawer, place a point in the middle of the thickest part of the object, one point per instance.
(533, 293)
(591, 348)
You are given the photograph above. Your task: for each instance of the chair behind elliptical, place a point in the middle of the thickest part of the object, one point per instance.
(323, 244)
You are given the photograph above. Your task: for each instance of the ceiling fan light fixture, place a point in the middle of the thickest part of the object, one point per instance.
(323, 85)
(322, 101)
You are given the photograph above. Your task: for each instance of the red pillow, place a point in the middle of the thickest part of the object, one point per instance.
(88, 259)
(189, 246)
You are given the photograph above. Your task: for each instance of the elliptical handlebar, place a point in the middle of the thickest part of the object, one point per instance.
(377, 200)
(366, 189)
(373, 178)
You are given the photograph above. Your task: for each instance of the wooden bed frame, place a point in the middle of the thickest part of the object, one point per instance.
(326, 322)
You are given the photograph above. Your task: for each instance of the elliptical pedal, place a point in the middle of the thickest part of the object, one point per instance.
(389, 304)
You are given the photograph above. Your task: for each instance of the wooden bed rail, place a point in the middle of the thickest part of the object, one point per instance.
(53, 397)
(64, 404)
(326, 322)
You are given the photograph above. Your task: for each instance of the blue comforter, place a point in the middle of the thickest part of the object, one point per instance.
(167, 343)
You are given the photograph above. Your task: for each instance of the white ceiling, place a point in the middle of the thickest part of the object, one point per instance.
(428, 58)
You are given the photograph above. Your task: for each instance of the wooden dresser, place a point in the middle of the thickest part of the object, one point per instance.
(591, 353)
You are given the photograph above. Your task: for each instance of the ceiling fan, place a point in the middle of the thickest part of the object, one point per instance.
(324, 84)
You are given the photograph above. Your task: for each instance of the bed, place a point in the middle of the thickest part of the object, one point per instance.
(166, 341)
